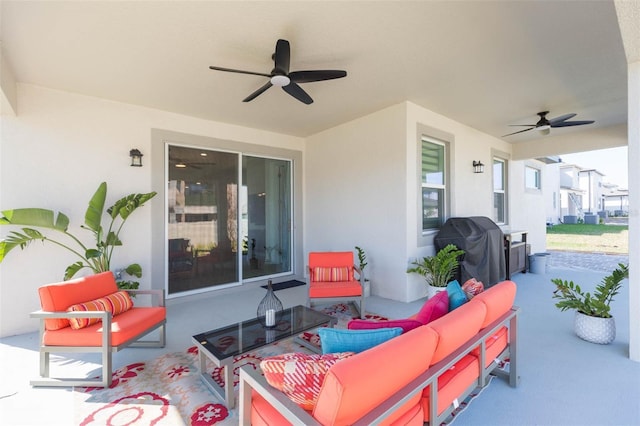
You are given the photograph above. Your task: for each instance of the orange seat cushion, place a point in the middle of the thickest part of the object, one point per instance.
(452, 383)
(59, 296)
(123, 327)
(334, 289)
(494, 346)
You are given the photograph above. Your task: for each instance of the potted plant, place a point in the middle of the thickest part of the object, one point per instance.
(98, 258)
(593, 321)
(438, 270)
(362, 263)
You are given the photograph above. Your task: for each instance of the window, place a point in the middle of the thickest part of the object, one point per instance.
(532, 178)
(499, 193)
(433, 183)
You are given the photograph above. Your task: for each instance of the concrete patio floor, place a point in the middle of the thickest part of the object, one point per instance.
(564, 380)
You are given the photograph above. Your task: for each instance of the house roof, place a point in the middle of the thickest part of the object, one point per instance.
(484, 64)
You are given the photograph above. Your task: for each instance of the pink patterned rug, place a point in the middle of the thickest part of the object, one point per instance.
(168, 390)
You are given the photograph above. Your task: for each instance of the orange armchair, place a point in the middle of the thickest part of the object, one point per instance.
(79, 299)
(334, 277)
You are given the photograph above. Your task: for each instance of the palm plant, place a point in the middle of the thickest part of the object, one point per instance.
(98, 258)
(438, 270)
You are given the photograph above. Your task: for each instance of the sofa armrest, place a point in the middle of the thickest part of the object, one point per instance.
(103, 315)
(157, 296)
(360, 276)
(251, 380)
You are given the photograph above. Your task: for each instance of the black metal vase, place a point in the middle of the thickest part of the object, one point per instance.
(270, 308)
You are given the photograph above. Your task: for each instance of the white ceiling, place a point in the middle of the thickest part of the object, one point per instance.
(486, 64)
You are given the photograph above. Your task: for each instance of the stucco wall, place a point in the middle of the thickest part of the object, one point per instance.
(56, 151)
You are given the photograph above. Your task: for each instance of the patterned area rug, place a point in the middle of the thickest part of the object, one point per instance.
(168, 390)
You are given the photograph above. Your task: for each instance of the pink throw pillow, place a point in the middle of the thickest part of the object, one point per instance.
(405, 324)
(472, 287)
(300, 376)
(434, 308)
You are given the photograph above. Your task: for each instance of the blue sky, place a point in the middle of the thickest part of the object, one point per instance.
(612, 162)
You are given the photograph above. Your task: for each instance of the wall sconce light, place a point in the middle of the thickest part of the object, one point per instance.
(136, 158)
(478, 167)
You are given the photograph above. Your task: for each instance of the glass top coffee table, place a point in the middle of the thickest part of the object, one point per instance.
(222, 345)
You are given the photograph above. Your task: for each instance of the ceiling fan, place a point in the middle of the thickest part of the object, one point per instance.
(545, 125)
(280, 75)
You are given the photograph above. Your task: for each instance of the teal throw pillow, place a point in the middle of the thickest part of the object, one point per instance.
(457, 297)
(335, 340)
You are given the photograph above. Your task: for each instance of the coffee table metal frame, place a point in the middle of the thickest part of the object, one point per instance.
(292, 322)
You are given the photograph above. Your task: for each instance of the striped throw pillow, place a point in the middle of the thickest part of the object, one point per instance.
(116, 303)
(299, 375)
(342, 273)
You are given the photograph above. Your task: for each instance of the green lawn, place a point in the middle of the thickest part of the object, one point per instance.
(599, 238)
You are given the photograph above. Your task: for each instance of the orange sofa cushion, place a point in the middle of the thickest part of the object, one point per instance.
(455, 328)
(300, 376)
(497, 299)
(115, 303)
(123, 327)
(358, 384)
(334, 289)
(494, 346)
(451, 384)
(59, 296)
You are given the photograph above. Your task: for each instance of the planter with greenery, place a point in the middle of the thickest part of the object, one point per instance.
(362, 263)
(593, 321)
(438, 270)
(98, 258)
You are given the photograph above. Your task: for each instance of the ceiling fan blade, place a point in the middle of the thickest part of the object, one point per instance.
(317, 75)
(572, 123)
(520, 131)
(297, 92)
(561, 118)
(282, 57)
(239, 71)
(258, 92)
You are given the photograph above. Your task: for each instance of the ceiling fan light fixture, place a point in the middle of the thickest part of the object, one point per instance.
(280, 80)
(545, 131)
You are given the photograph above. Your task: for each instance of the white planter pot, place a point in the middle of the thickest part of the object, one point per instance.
(594, 329)
(367, 288)
(432, 291)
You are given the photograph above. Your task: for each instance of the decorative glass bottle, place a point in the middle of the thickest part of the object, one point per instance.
(269, 308)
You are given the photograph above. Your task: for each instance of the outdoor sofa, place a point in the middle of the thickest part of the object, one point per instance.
(429, 369)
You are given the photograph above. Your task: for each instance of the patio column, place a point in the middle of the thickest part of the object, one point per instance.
(628, 18)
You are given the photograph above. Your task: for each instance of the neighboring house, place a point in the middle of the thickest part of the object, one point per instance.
(572, 191)
(616, 200)
(591, 182)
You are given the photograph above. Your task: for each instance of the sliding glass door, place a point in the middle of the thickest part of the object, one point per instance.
(219, 230)
(266, 216)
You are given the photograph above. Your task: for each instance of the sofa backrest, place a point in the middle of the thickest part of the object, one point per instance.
(59, 296)
(456, 327)
(358, 384)
(497, 299)
(330, 259)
